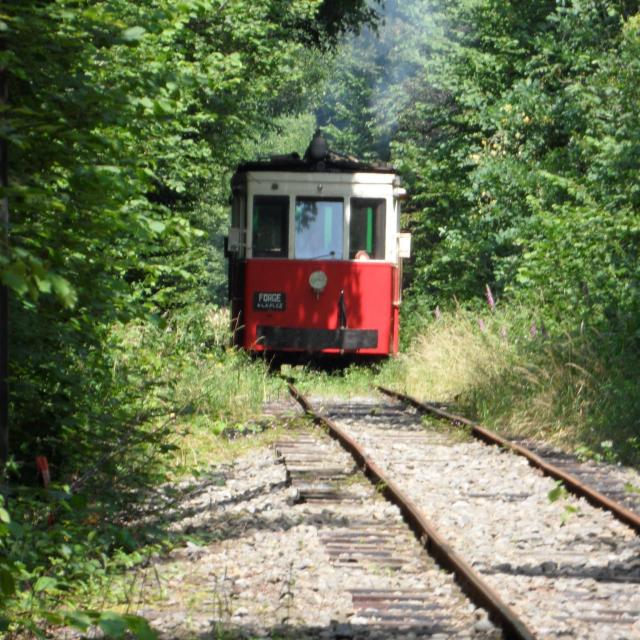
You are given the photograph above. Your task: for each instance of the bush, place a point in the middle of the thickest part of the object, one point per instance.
(578, 390)
(167, 378)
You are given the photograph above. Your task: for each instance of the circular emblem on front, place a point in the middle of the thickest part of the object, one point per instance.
(318, 281)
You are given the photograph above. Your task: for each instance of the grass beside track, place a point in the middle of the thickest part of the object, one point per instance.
(580, 392)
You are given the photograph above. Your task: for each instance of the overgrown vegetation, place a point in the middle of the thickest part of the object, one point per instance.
(124, 122)
(516, 130)
(175, 387)
(508, 372)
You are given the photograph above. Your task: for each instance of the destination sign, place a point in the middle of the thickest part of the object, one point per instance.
(269, 301)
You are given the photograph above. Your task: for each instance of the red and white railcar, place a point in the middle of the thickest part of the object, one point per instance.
(315, 255)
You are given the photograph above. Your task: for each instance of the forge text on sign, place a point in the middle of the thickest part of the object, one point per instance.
(269, 301)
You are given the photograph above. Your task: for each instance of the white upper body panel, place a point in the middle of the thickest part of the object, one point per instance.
(336, 186)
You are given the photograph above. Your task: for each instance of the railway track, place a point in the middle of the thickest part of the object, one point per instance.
(592, 482)
(541, 568)
(396, 589)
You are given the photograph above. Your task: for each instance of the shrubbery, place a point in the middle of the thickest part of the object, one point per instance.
(507, 369)
(165, 382)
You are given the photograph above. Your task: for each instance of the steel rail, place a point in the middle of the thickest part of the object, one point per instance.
(572, 484)
(469, 580)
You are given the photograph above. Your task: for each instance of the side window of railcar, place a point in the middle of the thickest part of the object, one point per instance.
(270, 227)
(319, 228)
(367, 229)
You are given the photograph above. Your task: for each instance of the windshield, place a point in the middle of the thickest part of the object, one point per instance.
(319, 228)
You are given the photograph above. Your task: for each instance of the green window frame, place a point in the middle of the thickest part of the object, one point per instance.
(367, 228)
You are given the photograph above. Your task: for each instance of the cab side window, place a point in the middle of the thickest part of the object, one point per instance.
(270, 237)
(367, 229)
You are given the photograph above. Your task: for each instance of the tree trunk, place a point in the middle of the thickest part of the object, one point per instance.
(4, 292)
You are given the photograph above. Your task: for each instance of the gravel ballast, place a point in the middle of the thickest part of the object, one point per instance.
(268, 562)
(568, 569)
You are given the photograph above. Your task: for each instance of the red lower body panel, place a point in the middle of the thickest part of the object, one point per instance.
(356, 312)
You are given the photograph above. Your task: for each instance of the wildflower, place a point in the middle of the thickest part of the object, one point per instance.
(490, 301)
(534, 330)
(481, 324)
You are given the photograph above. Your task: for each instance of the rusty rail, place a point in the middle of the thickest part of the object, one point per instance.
(470, 581)
(573, 484)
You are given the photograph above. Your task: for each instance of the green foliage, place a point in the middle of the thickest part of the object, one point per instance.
(559, 492)
(517, 150)
(124, 122)
(56, 545)
(338, 18)
(584, 244)
(61, 546)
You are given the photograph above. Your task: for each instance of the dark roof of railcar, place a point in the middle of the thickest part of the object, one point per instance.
(331, 163)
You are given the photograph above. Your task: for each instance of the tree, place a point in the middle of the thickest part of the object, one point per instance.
(504, 150)
(124, 123)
